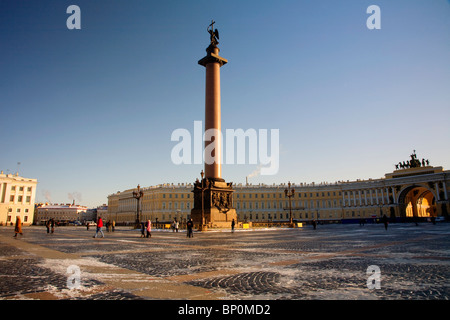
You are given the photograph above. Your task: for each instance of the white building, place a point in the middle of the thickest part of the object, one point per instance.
(17, 196)
(60, 212)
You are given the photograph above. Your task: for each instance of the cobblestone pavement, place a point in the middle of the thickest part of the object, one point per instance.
(328, 263)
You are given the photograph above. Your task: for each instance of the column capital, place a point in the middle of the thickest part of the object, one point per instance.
(212, 56)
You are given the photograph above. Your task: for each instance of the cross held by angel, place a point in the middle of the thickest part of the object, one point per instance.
(214, 34)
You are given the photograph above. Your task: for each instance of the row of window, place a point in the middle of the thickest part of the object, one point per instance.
(281, 195)
(17, 210)
(9, 219)
(188, 195)
(242, 205)
(19, 199)
(21, 188)
(258, 195)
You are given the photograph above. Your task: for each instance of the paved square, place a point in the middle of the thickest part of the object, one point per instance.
(330, 262)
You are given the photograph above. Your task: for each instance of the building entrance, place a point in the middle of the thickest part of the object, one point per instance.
(417, 202)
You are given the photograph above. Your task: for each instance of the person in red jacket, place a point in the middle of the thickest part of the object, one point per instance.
(99, 227)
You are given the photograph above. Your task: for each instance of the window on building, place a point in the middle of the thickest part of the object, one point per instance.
(11, 198)
(13, 188)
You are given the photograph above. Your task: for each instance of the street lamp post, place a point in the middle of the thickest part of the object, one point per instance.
(290, 193)
(202, 226)
(138, 195)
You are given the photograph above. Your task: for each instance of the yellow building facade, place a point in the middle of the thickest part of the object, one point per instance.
(17, 197)
(405, 193)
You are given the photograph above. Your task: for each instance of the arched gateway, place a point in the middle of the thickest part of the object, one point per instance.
(417, 201)
(420, 189)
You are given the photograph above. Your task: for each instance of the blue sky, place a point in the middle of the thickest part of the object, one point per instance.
(91, 111)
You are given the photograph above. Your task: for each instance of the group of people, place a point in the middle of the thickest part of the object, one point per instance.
(146, 229)
(50, 224)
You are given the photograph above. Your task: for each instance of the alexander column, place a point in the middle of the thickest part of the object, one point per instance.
(213, 197)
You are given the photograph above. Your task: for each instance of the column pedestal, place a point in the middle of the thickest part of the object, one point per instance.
(218, 209)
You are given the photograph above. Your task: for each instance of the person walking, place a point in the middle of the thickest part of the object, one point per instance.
(177, 225)
(314, 223)
(189, 226)
(99, 227)
(385, 222)
(113, 225)
(232, 226)
(47, 225)
(52, 225)
(18, 227)
(148, 227)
